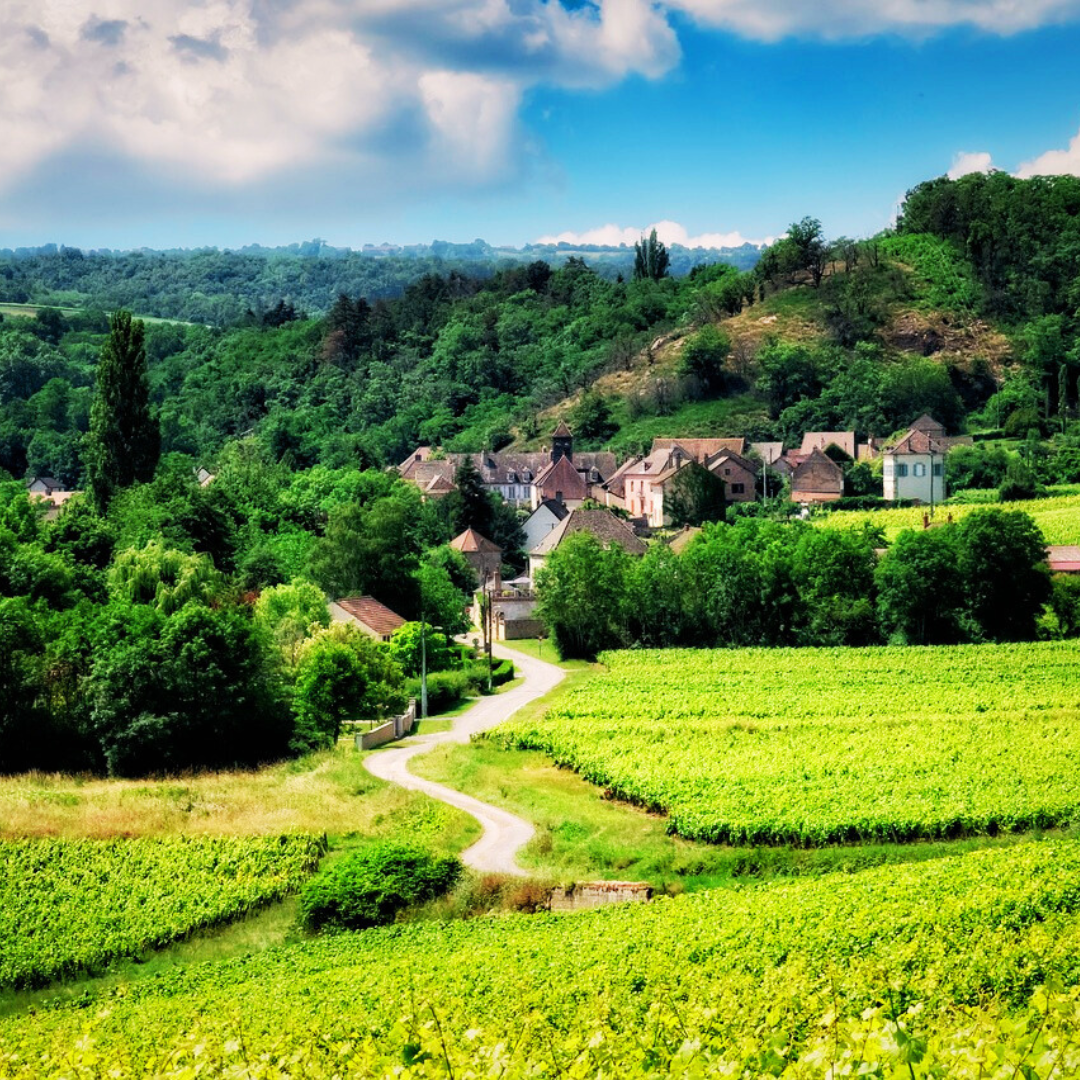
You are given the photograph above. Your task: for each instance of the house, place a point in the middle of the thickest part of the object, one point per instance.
(817, 479)
(203, 477)
(516, 475)
(48, 490)
(914, 467)
(602, 524)
(369, 614)
(613, 491)
(769, 452)
(738, 473)
(563, 483)
(482, 554)
(541, 521)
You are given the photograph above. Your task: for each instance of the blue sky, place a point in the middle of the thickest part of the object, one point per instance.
(144, 122)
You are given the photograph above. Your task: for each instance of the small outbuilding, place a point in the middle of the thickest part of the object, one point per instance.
(372, 616)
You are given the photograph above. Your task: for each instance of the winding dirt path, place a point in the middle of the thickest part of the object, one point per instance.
(504, 834)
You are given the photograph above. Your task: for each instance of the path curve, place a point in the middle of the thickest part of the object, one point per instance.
(503, 833)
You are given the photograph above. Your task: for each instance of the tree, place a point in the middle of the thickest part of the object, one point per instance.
(809, 243)
(695, 496)
(164, 577)
(580, 592)
(704, 356)
(470, 504)
(651, 259)
(1002, 561)
(343, 674)
(441, 601)
(289, 614)
(123, 443)
(592, 419)
(408, 651)
(920, 588)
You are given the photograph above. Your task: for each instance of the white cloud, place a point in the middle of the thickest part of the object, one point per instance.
(966, 163)
(1054, 162)
(669, 232)
(231, 92)
(769, 20)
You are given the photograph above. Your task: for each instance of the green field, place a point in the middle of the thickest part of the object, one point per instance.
(818, 746)
(72, 906)
(1058, 518)
(898, 969)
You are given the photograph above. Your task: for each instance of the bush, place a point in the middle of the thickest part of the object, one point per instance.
(445, 689)
(501, 672)
(371, 887)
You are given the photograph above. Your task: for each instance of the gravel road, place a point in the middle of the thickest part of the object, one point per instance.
(504, 834)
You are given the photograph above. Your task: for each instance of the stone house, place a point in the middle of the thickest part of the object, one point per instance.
(602, 524)
(482, 554)
(817, 479)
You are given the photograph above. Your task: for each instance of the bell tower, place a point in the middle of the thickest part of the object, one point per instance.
(562, 443)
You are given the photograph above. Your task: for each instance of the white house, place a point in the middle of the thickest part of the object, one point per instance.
(541, 521)
(914, 468)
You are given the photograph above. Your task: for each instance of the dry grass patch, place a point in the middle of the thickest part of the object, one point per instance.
(327, 792)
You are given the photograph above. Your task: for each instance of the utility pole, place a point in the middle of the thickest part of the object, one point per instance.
(423, 658)
(489, 622)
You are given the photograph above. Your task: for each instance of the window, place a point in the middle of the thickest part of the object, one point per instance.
(901, 470)
(727, 472)
(939, 469)
(738, 489)
(920, 468)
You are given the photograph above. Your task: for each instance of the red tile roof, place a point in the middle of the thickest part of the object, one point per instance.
(470, 540)
(376, 616)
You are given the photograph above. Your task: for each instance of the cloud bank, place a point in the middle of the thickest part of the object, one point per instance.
(669, 232)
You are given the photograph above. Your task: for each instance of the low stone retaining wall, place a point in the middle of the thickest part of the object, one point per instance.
(593, 894)
(392, 729)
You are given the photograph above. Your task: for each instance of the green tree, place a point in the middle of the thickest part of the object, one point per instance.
(441, 601)
(164, 577)
(651, 259)
(1002, 561)
(921, 589)
(580, 596)
(704, 356)
(123, 443)
(592, 419)
(289, 614)
(342, 674)
(470, 504)
(407, 650)
(694, 496)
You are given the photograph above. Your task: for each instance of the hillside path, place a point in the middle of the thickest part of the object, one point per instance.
(504, 834)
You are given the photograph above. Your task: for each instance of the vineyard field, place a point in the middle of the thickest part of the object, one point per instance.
(1057, 518)
(69, 906)
(819, 746)
(937, 966)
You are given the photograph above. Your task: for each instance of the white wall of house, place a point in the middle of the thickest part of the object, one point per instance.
(914, 476)
(540, 522)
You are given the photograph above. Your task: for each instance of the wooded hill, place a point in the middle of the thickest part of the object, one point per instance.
(965, 312)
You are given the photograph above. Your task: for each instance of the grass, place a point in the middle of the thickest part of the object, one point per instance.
(540, 649)
(329, 792)
(29, 311)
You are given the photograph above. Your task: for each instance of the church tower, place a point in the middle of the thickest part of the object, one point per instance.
(562, 443)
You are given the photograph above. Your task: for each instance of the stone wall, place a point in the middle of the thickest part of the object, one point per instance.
(593, 894)
(392, 729)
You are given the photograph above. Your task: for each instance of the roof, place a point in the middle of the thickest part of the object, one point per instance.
(928, 425)
(471, 541)
(439, 485)
(918, 442)
(821, 440)
(553, 506)
(418, 456)
(700, 449)
(818, 473)
(616, 482)
(602, 524)
(769, 452)
(46, 481)
(563, 477)
(376, 616)
(1063, 558)
(736, 459)
(562, 431)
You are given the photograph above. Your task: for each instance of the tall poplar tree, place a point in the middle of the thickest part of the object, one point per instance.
(124, 442)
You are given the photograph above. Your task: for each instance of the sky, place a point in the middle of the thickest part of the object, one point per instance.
(158, 123)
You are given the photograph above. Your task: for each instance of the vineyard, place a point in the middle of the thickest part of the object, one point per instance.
(928, 969)
(1057, 518)
(818, 746)
(68, 906)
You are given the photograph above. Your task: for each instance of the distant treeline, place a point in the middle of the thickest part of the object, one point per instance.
(218, 288)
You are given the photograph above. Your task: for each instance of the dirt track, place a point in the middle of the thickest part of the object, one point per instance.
(504, 834)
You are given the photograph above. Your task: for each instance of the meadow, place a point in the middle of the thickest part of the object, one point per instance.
(932, 969)
(1058, 518)
(820, 746)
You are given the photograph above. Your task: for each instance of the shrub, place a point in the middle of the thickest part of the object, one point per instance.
(445, 689)
(371, 887)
